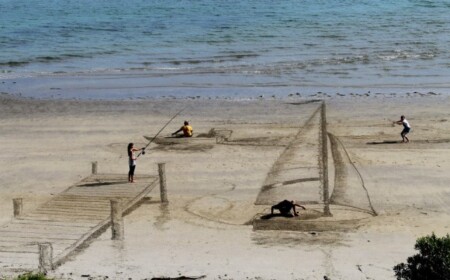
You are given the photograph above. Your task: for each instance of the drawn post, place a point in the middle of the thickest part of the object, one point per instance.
(94, 167)
(326, 199)
(117, 228)
(162, 182)
(45, 257)
(18, 207)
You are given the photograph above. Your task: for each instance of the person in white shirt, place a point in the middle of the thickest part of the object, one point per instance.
(406, 128)
(132, 161)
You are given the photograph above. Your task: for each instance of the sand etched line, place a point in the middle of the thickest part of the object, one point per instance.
(341, 172)
(287, 184)
(282, 173)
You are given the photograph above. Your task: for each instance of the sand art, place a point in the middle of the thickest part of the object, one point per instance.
(244, 156)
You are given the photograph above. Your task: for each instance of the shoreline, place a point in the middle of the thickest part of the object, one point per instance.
(246, 94)
(134, 86)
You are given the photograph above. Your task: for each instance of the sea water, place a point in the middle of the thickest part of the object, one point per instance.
(146, 48)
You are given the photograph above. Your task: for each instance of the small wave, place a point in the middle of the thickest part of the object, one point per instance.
(48, 58)
(106, 29)
(14, 63)
(239, 55)
(208, 60)
(193, 61)
(398, 54)
(53, 58)
(332, 36)
(76, 56)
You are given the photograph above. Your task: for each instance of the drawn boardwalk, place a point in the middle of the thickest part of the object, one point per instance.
(69, 220)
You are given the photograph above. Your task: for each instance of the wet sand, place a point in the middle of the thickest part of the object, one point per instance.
(48, 145)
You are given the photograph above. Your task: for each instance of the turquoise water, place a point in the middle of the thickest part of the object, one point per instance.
(118, 48)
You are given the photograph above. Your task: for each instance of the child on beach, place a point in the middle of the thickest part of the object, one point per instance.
(131, 161)
(406, 128)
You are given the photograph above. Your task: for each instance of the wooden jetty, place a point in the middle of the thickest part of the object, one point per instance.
(68, 221)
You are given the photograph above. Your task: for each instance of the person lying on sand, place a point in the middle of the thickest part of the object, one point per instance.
(406, 128)
(285, 207)
(186, 129)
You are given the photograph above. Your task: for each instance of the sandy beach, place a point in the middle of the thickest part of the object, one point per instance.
(214, 183)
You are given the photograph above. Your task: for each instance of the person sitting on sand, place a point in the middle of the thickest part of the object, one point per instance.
(131, 161)
(285, 208)
(186, 129)
(406, 128)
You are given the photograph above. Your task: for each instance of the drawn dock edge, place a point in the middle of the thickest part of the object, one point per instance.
(96, 231)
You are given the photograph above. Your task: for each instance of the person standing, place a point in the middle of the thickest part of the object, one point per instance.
(406, 128)
(131, 161)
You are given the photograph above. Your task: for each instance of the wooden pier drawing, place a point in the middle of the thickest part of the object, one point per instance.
(44, 238)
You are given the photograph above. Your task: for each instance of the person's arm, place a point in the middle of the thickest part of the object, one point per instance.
(177, 131)
(398, 122)
(300, 206)
(271, 210)
(135, 150)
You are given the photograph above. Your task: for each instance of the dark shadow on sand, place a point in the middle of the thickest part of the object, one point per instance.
(102, 184)
(384, 142)
(269, 216)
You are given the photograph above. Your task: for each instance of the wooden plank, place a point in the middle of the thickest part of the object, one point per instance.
(27, 222)
(103, 195)
(82, 206)
(70, 215)
(16, 243)
(44, 229)
(72, 210)
(31, 234)
(19, 249)
(50, 218)
(83, 198)
(37, 239)
(57, 247)
(75, 203)
(89, 190)
(111, 187)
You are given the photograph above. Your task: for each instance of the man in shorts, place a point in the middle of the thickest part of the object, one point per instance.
(406, 128)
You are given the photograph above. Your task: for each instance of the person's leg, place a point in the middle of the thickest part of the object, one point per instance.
(403, 133)
(295, 212)
(129, 173)
(133, 167)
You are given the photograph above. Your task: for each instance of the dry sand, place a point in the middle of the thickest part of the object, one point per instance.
(48, 145)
